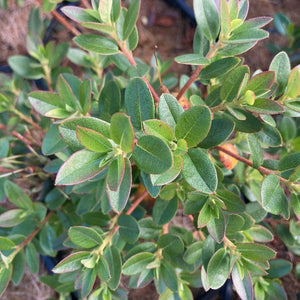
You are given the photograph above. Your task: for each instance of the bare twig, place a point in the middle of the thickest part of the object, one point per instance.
(262, 170)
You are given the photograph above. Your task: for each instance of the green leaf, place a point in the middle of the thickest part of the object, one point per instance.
(193, 252)
(149, 229)
(160, 129)
(84, 96)
(118, 199)
(86, 281)
(192, 59)
(235, 49)
(115, 10)
(77, 14)
(12, 217)
(164, 211)
(293, 85)
(170, 175)
(200, 43)
(121, 132)
(243, 285)
(207, 18)
(130, 19)
(247, 36)
(47, 237)
(169, 276)
(104, 9)
(52, 141)
(103, 28)
(139, 102)
(110, 98)
(79, 167)
(265, 106)
(152, 155)
(279, 268)
(171, 244)
(32, 258)
(5, 276)
(249, 124)
(26, 67)
(137, 263)
(113, 258)
(216, 227)
(261, 83)
(218, 269)
(6, 243)
(68, 129)
(225, 19)
(255, 150)
(169, 110)
(84, 237)
(93, 140)
(219, 68)
(216, 136)
(273, 197)
(133, 40)
(16, 196)
(234, 223)
(255, 252)
(199, 171)
(205, 215)
(49, 105)
(288, 128)
(129, 228)
(96, 43)
(233, 202)
(65, 92)
(296, 203)
(269, 136)
(115, 173)
(146, 181)
(282, 67)
(193, 125)
(233, 82)
(71, 263)
(18, 266)
(260, 234)
(103, 269)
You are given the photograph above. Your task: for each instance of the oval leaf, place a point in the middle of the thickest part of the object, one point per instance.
(152, 155)
(96, 43)
(199, 171)
(84, 237)
(79, 167)
(193, 125)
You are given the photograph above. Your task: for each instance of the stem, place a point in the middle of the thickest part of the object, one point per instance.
(194, 76)
(129, 56)
(64, 22)
(48, 77)
(262, 170)
(23, 117)
(136, 203)
(31, 236)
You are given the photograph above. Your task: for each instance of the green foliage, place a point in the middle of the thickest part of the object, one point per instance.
(116, 159)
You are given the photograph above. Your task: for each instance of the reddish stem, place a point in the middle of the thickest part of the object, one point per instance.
(262, 170)
(136, 203)
(130, 58)
(34, 233)
(189, 82)
(64, 22)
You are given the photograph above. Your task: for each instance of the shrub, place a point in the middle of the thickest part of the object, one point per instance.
(117, 139)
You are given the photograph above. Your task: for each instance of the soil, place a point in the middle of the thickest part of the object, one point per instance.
(163, 26)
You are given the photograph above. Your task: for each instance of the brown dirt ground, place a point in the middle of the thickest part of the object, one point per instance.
(160, 25)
